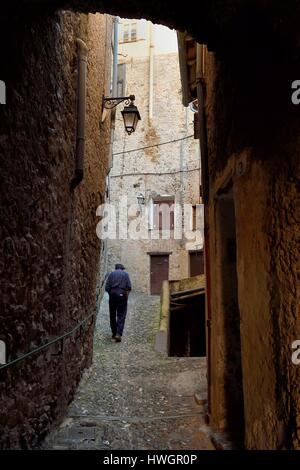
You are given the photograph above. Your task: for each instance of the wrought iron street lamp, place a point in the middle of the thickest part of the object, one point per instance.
(130, 113)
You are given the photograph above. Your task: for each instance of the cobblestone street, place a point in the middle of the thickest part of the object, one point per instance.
(134, 397)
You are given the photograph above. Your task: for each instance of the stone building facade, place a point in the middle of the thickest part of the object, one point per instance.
(49, 248)
(149, 69)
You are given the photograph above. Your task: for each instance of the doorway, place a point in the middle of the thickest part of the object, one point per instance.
(187, 324)
(159, 272)
(196, 263)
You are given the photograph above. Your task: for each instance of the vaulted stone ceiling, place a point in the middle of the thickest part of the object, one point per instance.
(221, 24)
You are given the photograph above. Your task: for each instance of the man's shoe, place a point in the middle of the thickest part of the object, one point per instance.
(118, 338)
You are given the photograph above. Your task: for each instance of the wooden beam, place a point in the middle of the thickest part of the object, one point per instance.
(188, 291)
(189, 296)
(175, 309)
(175, 304)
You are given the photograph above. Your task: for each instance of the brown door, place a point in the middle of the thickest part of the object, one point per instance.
(159, 272)
(196, 263)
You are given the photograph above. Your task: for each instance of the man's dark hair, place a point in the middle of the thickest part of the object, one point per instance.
(119, 266)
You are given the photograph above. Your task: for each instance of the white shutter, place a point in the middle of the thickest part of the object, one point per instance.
(142, 29)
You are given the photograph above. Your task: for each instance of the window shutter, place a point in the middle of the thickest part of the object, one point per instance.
(163, 215)
(133, 32)
(156, 219)
(172, 217)
(125, 32)
(121, 79)
(142, 29)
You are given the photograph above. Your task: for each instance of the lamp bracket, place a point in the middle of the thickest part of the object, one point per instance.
(110, 103)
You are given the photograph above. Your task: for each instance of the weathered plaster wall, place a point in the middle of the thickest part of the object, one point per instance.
(253, 141)
(49, 247)
(154, 171)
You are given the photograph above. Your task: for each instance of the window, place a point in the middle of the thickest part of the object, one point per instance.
(163, 214)
(129, 32)
(125, 33)
(133, 32)
(194, 218)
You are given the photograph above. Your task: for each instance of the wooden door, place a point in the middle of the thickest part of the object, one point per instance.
(159, 272)
(196, 263)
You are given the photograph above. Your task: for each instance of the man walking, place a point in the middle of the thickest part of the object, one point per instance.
(118, 286)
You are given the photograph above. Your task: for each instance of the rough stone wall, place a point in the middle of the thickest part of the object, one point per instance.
(154, 171)
(253, 141)
(49, 247)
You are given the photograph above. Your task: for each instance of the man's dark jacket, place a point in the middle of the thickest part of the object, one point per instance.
(118, 282)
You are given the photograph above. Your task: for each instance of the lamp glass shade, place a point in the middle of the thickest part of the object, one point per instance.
(131, 116)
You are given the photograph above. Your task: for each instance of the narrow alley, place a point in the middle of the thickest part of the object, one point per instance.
(159, 140)
(133, 397)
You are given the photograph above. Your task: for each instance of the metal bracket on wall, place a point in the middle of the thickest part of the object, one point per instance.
(110, 103)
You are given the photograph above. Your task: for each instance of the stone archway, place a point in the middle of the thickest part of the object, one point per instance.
(221, 25)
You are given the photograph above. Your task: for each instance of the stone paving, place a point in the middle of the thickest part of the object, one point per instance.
(134, 397)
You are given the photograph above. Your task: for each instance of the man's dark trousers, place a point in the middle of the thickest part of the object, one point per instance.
(117, 312)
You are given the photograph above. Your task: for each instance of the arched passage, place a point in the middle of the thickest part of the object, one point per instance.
(217, 24)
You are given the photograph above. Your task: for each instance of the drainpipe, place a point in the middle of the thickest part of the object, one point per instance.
(151, 54)
(114, 88)
(181, 201)
(202, 123)
(205, 193)
(115, 57)
(115, 72)
(81, 112)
